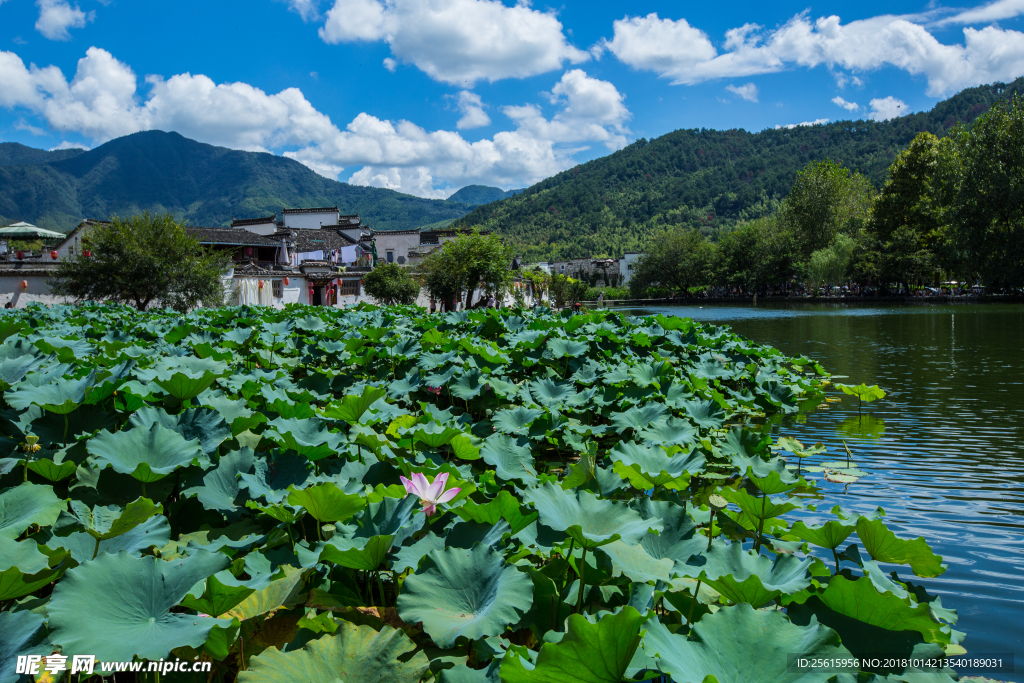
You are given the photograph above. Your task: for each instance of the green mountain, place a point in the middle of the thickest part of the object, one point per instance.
(706, 179)
(476, 195)
(203, 184)
(13, 154)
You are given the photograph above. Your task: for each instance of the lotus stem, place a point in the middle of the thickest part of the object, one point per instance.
(693, 603)
(583, 569)
(65, 431)
(760, 526)
(565, 574)
(836, 556)
(383, 597)
(96, 550)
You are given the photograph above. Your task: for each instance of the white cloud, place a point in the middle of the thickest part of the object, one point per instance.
(103, 101)
(457, 41)
(307, 9)
(848, 106)
(815, 122)
(883, 109)
(684, 54)
(22, 124)
(69, 145)
(57, 16)
(1001, 9)
(473, 114)
(747, 92)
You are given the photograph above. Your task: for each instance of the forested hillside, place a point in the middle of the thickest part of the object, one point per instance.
(703, 178)
(202, 184)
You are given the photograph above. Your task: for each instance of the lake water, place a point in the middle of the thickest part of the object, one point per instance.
(944, 450)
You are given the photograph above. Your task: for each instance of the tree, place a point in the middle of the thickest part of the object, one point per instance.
(391, 284)
(757, 254)
(142, 260)
(826, 200)
(981, 188)
(678, 262)
(469, 261)
(567, 290)
(829, 265)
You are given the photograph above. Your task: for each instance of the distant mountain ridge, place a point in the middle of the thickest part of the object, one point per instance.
(203, 184)
(475, 195)
(705, 179)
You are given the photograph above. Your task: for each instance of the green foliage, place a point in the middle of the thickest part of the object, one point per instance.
(469, 261)
(593, 525)
(142, 260)
(682, 260)
(706, 180)
(390, 284)
(567, 290)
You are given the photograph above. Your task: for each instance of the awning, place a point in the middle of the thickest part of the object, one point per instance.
(22, 230)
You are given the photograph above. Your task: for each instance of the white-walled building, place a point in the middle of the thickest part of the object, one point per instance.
(626, 267)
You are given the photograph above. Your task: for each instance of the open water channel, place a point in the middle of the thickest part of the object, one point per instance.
(944, 450)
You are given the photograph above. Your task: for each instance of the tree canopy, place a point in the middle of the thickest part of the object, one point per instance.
(143, 260)
(390, 284)
(468, 261)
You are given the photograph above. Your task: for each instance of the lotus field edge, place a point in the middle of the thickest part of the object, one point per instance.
(376, 494)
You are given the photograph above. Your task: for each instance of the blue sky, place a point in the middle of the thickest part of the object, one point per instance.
(426, 96)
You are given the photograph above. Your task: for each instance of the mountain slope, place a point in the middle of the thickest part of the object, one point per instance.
(13, 153)
(203, 184)
(706, 179)
(476, 195)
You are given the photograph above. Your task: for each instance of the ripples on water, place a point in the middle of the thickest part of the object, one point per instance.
(948, 463)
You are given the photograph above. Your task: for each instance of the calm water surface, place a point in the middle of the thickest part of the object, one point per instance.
(944, 451)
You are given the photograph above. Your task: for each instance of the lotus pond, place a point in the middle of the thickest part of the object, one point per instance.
(606, 500)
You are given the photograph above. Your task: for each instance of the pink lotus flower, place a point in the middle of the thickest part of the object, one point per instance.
(430, 494)
(434, 390)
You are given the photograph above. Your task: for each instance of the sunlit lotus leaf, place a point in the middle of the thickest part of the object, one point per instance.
(829, 535)
(743, 576)
(590, 521)
(862, 391)
(433, 435)
(353, 407)
(771, 476)
(883, 545)
(196, 423)
(352, 654)
(13, 370)
(503, 506)
(551, 394)
(61, 396)
(21, 633)
(309, 437)
(327, 502)
(757, 508)
(221, 484)
(633, 562)
(510, 457)
(280, 592)
(744, 443)
(465, 593)
(672, 432)
(148, 454)
(719, 648)
(186, 378)
(706, 414)
(25, 505)
(273, 477)
(118, 607)
(649, 466)
(588, 653)
(154, 532)
(468, 385)
(218, 593)
(23, 556)
(639, 417)
(365, 554)
(780, 394)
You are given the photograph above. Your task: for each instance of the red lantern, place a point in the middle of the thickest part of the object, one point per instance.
(261, 284)
(20, 255)
(53, 254)
(286, 281)
(87, 253)
(24, 284)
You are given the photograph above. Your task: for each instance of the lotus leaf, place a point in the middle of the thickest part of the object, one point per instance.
(638, 418)
(352, 407)
(465, 593)
(21, 633)
(197, 423)
(25, 505)
(221, 485)
(309, 437)
(118, 607)
(352, 654)
(510, 457)
(883, 546)
(588, 653)
(706, 414)
(646, 467)
(516, 420)
(590, 521)
(744, 576)
(148, 454)
(717, 647)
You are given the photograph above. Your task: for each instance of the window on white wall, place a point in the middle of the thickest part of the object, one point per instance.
(390, 256)
(278, 289)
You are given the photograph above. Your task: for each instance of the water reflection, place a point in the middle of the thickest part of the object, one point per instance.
(943, 452)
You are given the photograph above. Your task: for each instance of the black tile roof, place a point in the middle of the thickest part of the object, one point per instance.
(313, 239)
(231, 237)
(235, 222)
(317, 209)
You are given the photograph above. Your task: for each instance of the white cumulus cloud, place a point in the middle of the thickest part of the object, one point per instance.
(684, 54)
(815, 122)
(885, 108)
(57, 16)
(103, 100)
(1001, 9)
(747, 91)
(69, 145)
(457, 41)
(472, 108)
(848, 106)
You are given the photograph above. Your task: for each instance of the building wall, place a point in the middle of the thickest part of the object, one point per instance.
(400, 244)
(261, 229)
(38, 291)
(311, 221)
(626, 267)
